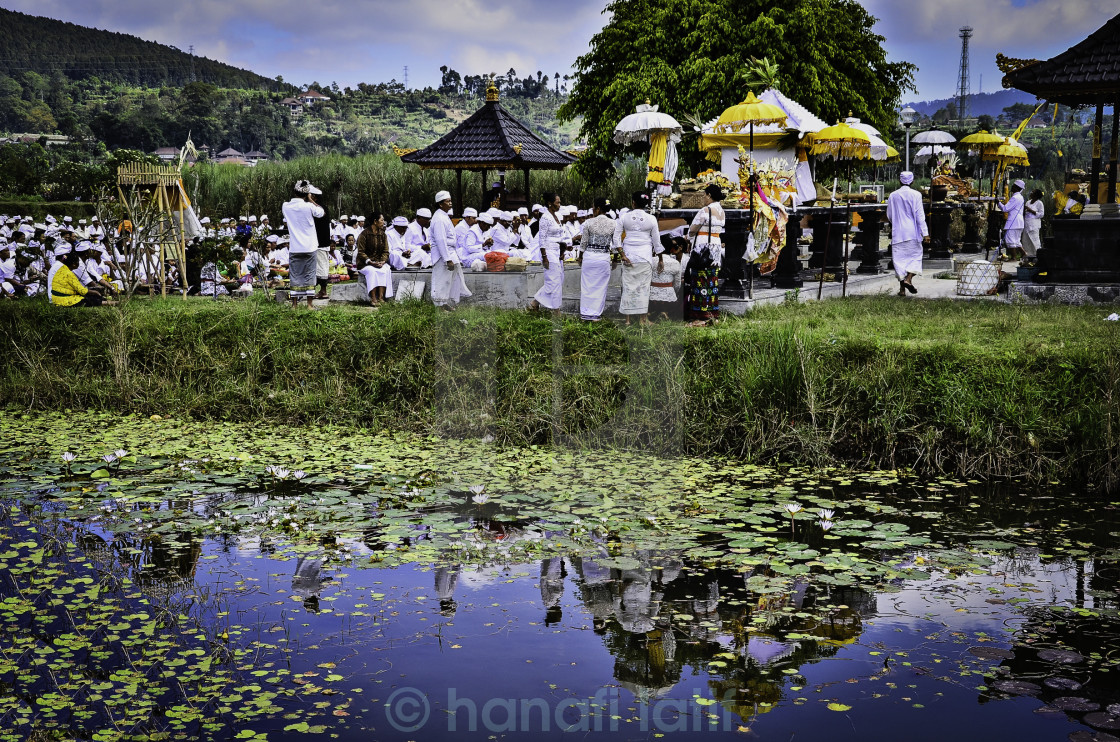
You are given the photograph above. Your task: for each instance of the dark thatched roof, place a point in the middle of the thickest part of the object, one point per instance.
(492, 139)
(1088, 72)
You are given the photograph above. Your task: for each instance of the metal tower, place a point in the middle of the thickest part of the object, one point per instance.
(964, 85)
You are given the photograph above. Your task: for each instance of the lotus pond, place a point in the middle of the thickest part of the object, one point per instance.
(163, 579)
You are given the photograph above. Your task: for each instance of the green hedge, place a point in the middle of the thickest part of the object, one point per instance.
(969, 389)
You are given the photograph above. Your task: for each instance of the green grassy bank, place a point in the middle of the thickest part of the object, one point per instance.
(972, 389)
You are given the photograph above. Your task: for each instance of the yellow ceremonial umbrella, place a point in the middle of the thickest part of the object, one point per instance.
(842, 142)
(746, 114)
(751, 111)
(985, 142)
(1008, 153)
(893, 155)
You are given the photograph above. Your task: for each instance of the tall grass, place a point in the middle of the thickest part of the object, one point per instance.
(966, 389)
(381, 182)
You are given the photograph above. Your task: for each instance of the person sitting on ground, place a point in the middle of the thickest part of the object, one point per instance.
(476, 240)
(417, 240)
(373, 259)
(400, 256)
(66, 289)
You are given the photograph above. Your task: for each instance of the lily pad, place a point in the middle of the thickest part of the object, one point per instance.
(1017, 687)
(1074, 703)
(1060, 656)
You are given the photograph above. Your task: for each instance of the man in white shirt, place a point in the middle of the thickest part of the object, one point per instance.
(300, 214)
(1013, 227)
(399, 255)
(418, 241)
(505, 240)
(909, 232)
(448, 283)
(463, 228)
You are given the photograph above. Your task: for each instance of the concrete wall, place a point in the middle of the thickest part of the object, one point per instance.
(508, 290)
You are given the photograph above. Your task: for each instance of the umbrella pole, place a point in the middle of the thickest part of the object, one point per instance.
(750, 217)
(847, 230)
(824, 253)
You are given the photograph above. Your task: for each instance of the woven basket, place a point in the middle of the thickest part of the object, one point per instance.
(693, 200)
(691, 187)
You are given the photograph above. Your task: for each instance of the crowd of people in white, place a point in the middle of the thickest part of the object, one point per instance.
(254, 252)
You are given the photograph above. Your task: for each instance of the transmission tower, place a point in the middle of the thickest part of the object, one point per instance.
(191, 52)
(964, 85)
(406, 77)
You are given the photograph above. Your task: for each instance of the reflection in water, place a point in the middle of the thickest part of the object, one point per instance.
(552, 589)
(1067, 659)
(664, 615)
(308, 581)
(447, 579)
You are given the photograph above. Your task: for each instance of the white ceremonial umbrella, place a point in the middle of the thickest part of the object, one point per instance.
(933, 136)
(878, 146)
(663, 132)
(638, 126)
(930, 150)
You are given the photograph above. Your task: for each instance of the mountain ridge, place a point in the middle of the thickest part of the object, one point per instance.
(46, 46)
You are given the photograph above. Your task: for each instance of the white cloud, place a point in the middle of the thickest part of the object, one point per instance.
(352, 41)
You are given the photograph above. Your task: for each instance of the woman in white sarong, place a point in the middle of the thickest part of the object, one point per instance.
(372, 260)
(595, 262)
(642, 235)
(550, 239)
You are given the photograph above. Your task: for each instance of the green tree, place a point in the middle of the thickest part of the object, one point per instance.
(686, 56)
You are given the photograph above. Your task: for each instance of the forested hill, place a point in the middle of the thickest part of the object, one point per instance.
(46, 46)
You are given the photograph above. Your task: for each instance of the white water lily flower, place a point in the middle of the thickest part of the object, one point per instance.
(299, 474)
(793, 507)
(478, 488)
(826, 524)
(825, 514)
(68, 457)
(109, 458)
(120, 453)
(480, 499)
(280, 472)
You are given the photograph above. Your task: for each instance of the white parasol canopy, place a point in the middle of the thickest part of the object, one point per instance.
(933, 136)
(878, 146)
(930, 150)
(646, 120)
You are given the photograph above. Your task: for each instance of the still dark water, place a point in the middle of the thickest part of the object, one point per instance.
(365, 591)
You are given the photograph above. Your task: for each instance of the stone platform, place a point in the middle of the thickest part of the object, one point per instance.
(1077, 294)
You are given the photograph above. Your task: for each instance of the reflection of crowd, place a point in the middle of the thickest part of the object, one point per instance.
(657, 616)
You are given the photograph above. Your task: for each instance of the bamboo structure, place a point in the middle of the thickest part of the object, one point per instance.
(167, 197)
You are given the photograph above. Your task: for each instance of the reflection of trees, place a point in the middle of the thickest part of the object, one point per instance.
(1073, 680)
(664, 615)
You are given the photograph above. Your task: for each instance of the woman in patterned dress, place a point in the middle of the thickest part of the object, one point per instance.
(701, 278)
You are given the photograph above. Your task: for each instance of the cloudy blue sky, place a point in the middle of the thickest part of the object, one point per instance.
(351, 41)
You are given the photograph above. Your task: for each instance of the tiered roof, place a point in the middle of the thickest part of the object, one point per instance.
(1088, 72)
(493, 139)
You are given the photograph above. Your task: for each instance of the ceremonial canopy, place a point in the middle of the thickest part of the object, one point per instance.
(1087, 73)
(491, 139)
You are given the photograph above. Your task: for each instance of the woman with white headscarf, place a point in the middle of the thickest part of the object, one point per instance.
(909, 232)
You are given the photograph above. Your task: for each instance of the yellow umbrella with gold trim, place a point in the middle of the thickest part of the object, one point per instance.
(750, 112)
(842, 142)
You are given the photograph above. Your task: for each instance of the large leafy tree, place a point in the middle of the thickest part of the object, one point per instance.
(692, 58)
